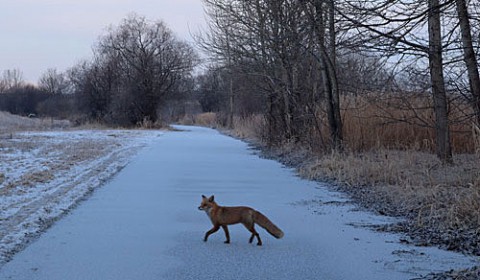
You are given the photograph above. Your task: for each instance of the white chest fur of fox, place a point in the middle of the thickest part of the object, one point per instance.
(221, 216)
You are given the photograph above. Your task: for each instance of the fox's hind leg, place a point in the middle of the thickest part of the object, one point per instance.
(251, 228)
(227, 235)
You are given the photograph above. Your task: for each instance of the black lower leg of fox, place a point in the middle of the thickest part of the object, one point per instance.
(254, 233)
(259, 241)
(227, 235)
(215, 229)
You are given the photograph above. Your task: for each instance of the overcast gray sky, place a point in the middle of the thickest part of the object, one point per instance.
(41, 34)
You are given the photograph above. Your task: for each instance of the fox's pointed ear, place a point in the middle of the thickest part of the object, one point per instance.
(211, 199)
(204, 196)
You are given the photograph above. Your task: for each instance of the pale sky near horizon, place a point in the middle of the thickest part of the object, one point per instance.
(40, 34)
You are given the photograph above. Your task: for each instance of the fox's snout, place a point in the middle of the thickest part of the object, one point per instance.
(203, 207)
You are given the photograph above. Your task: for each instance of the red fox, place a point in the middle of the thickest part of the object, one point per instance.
(222, 216)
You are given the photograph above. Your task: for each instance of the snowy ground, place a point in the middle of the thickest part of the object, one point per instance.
(43, 174)
(144, 224)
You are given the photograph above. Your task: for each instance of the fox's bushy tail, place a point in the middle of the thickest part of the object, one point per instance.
(265, 223)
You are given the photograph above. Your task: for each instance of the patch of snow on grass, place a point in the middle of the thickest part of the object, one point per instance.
(44, 174)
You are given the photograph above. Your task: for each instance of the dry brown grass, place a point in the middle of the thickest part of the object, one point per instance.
(405, 122)
(250, 127)
(206, 119)
(12, 123)
(413, 183)
(390, 144)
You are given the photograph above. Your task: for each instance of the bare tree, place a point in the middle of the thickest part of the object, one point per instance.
(397, 28)
(136, 67)
(435, 58)
(271, 42)
(285, 43)
(469, 55)
(95, 85)
(11, 79)
(324, 25)
(53, 82)
(151, 60)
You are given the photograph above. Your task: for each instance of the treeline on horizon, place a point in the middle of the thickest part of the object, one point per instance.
(302, 65)
(140, 73)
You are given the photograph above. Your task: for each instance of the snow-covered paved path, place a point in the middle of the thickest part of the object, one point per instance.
(144, 224)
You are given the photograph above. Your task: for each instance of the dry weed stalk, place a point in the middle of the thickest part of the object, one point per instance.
(476, 138)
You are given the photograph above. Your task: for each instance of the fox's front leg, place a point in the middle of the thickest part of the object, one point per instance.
(214, 229)
(227, 235)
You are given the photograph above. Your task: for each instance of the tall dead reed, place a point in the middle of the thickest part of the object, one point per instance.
(401, 122)
(373, 122)
(476, 138)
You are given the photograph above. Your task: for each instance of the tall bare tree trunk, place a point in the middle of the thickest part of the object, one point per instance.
(469, 55)
(328, 70)
(332, 67)
(443, 146)
(231, 100)
(230, 81)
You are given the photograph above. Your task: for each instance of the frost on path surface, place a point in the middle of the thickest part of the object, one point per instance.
(44, 174)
